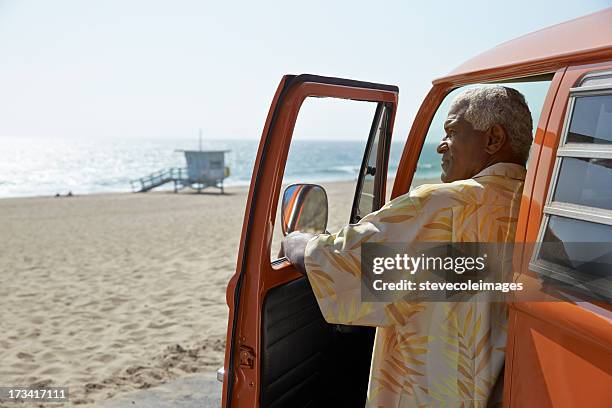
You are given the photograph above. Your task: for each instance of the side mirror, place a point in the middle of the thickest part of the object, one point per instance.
(304, 209)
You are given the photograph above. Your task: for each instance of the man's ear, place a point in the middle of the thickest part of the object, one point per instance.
(496, 138)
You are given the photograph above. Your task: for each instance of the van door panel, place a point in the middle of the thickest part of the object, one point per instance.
(294, 376)
(280, 350)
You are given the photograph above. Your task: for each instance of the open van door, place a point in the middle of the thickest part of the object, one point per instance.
(280, 351)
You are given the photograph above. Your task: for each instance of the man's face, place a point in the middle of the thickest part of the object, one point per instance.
(462, 149)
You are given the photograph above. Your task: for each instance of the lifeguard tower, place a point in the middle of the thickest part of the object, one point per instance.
(205, 168)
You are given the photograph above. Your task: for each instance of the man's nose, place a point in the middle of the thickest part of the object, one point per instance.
(442, 147)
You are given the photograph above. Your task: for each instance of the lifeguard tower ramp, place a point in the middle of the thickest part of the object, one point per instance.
(205, 168)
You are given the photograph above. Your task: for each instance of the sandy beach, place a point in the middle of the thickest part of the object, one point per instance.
(111, 293)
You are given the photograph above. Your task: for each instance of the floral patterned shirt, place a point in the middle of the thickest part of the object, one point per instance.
(426, 354)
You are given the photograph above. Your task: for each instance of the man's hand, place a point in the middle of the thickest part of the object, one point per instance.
(293, 247)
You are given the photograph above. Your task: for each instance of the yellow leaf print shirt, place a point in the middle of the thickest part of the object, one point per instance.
(429, 354)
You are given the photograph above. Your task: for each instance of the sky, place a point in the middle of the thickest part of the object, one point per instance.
(115, 69)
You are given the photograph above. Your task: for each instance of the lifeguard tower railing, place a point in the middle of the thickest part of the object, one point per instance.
(174, 175)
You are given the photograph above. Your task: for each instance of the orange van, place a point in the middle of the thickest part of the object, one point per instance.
(280, 351)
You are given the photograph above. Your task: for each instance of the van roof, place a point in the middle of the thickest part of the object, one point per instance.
(582, 39)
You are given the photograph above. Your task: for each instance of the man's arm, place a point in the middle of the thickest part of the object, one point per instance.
(293, 247)
(332, 262)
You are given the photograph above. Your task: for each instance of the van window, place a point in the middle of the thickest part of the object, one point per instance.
(591, 120)
(428, 167)
(576, 232)
(585, 181)
(327, 148)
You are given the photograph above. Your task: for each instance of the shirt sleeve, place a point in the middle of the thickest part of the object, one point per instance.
(333, 261)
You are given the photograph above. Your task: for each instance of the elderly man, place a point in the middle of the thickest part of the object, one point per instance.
(434, 354)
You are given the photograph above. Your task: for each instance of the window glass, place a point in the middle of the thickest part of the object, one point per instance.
(327, 148)
(571, 230)
(591, 120)
(577, 255)
(578, 245)
(428, 167)
(585, 181)
(366, 197)
(605, 79)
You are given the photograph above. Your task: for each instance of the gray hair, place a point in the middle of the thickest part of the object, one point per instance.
(490, 105)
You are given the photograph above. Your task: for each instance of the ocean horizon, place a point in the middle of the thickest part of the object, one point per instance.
(46, 167)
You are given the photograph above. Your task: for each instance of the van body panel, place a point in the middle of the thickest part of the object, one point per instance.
(557, 367)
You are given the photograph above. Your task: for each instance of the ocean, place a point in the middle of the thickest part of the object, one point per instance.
(43, 167)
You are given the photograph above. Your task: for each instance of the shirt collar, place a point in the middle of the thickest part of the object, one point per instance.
(511, 170)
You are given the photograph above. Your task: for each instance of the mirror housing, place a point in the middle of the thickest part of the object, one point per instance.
(304, 209)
